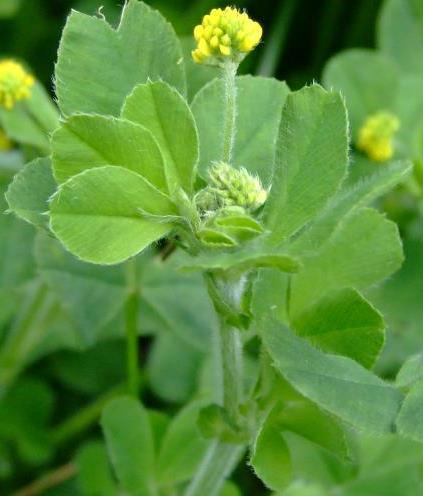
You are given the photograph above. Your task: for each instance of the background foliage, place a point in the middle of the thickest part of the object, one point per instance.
(62, 361)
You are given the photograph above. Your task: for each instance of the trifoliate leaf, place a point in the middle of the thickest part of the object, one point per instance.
(99, 66)
(99, 214)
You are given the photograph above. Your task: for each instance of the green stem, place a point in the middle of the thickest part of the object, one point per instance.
(275, 45)
(27, 332)
(229, 73)
(48, 481)
(131, 324)
(221, 459)
(231, 356)
(216, 466)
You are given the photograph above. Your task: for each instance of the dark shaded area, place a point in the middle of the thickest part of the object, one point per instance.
(315, 29)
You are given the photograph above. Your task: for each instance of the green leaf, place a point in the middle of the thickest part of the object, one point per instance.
(400, 33)
(308, 421)
(251, 256)
(89, 141)
(370, 82)
(30, 190)
(367, 79)
(311, 159)
(183, 447)
(11, 162)
(42, 110)
(93, 371)
(129, 440)
(173, 366)
(348, 200)
(99, 66)
(32, 120)
(364, 249)
(92, 295)
(229, 489)
(410, 421)
(25, 412)
(215, 422)
(343, 322)
(388, 465)
(259, 106)
(163, 111)
(215, 238)
(182, 302)
(198, 75)
(304, 419)
(94, 473)
(270, 458)
(411, 371)
(97, 214)
(337, 384)
(399, 299)
(16, 258)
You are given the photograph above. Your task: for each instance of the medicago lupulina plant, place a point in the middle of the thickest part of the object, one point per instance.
(248, 184)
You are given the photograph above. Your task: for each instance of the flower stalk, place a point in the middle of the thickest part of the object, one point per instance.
(131, 324)
(229, 130)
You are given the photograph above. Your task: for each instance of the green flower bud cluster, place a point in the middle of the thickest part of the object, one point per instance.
(230, 187)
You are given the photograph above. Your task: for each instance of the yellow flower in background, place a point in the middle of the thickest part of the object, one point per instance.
(225, 34)
(15, 83)
(5, 143)
(375, 137)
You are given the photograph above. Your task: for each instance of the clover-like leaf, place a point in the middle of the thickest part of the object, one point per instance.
(99, 66)
(92, 295)
(311, 159)
(130, 443)
(348, 200)
(409, 422)
(337, 384)
(271, 457)
(343, 322)
(163, 111)
(400, 33)
(244, 259)
(30, 190)
(88, 141)
(364, 249)
(99, 215)
(367, 79)
(259, 105)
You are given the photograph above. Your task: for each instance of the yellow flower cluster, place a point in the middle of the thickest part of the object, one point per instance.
(5, 143)
(375, 137)
(15, 83)
(225, 34)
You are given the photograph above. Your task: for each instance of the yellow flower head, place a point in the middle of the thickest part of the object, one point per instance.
(225, 34)
(375, 137)
(15, 83)
(5, 143)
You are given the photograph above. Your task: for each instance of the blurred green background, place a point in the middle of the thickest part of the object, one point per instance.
(299, 35)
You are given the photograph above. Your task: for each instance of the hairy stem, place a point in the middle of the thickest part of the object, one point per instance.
(131, 324)
(229, 73)
(216, 466)
(231, 356)
(221, 458)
